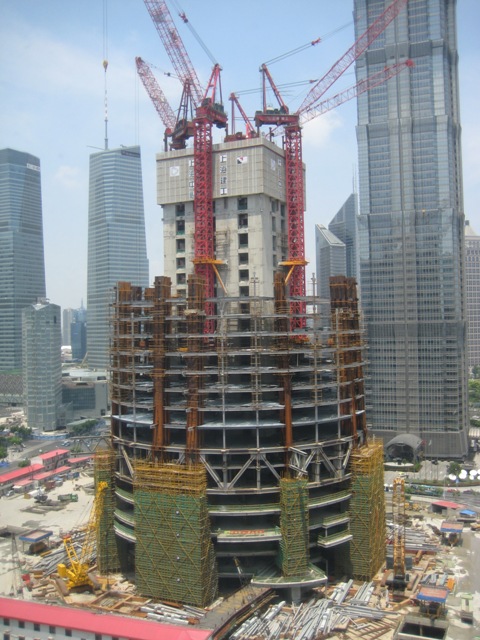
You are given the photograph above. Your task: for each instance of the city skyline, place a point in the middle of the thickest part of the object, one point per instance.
(53, 57)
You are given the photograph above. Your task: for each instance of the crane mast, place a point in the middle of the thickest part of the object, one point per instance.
(210, 112)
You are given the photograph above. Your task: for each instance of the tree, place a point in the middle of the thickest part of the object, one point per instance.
(474, 391)
(454, 468)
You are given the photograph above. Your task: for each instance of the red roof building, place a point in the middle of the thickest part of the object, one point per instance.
(31, 619)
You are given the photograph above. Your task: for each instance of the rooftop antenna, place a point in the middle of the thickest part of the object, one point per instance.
(105, 66)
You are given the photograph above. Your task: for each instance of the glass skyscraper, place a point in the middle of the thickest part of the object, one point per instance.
(344, 226)
(116, 240)
(22, 265)
(411, 228)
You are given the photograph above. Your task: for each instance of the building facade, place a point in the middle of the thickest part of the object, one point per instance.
(116, 240)
(344, 226)
(331, 260)
(472, 277)
(42, 369)
(249, 210)
(411, 228)
(22, 265)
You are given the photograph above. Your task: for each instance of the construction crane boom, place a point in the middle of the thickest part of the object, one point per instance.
(156, 94)
(360, 46)
(174, 46)
(79, 565)
(294, 184)
(372, 81)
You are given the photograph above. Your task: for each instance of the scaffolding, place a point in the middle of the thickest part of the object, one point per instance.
(367, 511)
(174, 555)
(107, 551)
(251, 404)
(294, 552)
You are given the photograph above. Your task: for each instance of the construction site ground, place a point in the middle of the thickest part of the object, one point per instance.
(462, 563)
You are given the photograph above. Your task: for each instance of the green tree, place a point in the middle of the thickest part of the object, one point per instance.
(23, 463)
(474, 391)
(454, 468)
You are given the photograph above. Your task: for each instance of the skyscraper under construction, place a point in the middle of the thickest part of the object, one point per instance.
(235, 450)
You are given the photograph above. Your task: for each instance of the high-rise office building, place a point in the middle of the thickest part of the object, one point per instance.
(472, 279)
(411, 228)
(116, 240)
(42, 369)
(78, 333)
(249, 209)
(344, 226)
(22, 265)
(331, 260)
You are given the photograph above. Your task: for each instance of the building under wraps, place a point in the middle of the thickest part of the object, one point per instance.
(232, 451)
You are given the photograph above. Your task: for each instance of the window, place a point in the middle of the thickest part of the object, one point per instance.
(244, 291)
(180, 245)
(242, 220)
(180, 226)
(225, 203)
(181, 278)
(36, 626)
(180, 263)
(180, 209)
(6, 636)
(6, 621)
(274, 223)
(243, 274)
(242, 203)
(243, 258)
(243, 239)
(21, 624)
(223, 191)
(68, 633)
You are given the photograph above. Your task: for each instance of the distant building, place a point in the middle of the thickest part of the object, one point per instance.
(67, 319)
(344, 226)
(116, 240)
(78, 334)
(42, 374)
(85, 393)
(411, 228)
(22, 272)
(331, 260)
(472, 278)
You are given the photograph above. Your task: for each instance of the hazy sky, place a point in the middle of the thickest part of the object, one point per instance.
(52, 101)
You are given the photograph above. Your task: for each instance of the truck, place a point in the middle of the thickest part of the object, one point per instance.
(68, 497)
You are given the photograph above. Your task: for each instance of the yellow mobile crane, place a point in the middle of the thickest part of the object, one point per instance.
(76, 573)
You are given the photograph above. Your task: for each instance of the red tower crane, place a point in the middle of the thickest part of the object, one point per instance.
(295, 197)
(210, 112)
